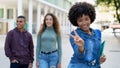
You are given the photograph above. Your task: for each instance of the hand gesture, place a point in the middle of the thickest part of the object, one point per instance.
(78, 40)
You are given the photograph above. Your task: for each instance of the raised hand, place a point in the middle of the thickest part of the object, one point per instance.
(78, 41)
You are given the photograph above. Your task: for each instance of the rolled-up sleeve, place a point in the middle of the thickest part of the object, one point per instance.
(78, 54)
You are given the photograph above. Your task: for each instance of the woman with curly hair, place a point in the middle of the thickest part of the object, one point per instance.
(48, 51)
(85, 41)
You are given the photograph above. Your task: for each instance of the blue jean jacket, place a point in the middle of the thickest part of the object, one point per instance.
(92, 45)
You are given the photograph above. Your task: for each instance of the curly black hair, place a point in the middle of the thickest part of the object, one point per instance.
(80, 9)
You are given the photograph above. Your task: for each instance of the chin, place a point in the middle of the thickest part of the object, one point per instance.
(85, 30)
(19, 27)
(49, 26)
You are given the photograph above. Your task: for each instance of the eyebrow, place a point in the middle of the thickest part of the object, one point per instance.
(19, 21)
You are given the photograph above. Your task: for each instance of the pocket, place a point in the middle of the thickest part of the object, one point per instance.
(54, 56)
(42, 56)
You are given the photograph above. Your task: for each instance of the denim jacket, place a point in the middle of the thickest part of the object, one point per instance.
(92, 46)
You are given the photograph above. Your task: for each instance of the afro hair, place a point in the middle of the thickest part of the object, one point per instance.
(80, 9)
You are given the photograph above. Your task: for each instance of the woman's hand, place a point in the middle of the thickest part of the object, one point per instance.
(59, 65)
(78, 41)
(102, 59)
(37, 64)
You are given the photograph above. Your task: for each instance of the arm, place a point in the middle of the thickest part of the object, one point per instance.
(59, 47)
(38, 47)
(31, 48)
(7, 47)
(77, 44)
(38, 50)
(102, 56)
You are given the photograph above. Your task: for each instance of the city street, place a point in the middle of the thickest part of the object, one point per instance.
(112, 50)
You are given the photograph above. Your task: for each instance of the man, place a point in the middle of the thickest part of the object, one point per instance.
(19, 46)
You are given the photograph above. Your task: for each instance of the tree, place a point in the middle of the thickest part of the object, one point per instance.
(113, 3)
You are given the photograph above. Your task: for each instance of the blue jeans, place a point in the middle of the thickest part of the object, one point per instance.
(48, 60)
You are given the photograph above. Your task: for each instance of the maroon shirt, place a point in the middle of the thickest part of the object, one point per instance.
(19, 46)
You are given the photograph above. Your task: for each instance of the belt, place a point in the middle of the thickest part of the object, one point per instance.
(48, 52)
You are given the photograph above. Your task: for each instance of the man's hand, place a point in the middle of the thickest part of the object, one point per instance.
(14, 61)
(30, 65)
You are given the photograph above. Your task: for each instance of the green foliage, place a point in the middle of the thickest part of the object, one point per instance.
(113, 3)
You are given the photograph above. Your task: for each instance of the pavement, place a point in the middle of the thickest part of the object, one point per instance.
(111, 50)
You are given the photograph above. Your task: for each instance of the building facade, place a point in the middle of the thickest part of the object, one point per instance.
(34, 10)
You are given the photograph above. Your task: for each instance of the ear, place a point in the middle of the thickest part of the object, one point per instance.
(24, 21)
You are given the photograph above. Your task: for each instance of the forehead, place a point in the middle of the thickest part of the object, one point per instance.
(20, 19)
(48, 16)
(84, 16)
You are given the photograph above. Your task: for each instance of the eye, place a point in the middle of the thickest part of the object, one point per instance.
(87, 19)
(20, 21)
(80, 21)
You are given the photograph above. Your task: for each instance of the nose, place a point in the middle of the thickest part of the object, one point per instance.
(84, 23)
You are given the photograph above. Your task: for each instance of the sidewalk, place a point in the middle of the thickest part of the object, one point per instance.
(112, 50)
(67, 52)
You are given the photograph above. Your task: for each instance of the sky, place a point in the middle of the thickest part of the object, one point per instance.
(89, 1)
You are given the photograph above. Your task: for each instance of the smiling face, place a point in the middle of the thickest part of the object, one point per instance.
(84, 23)
(20, 23)
(49, 21)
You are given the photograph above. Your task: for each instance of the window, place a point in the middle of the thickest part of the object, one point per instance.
(10, 13)
(1, 12)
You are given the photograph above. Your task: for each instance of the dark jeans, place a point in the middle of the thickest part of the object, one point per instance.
(18, 65)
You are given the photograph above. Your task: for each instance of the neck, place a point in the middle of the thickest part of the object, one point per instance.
(89, 33)
(50, 27)
(21, 30)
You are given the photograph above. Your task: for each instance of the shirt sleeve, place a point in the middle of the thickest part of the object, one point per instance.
(31, 48)
(59, 48)
(38, 47)
(8, 43)
(77, 53)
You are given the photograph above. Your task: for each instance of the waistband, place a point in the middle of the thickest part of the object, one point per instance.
(49, 52)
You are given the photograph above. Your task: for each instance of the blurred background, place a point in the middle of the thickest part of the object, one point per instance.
(107, 14)
(34, 10)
